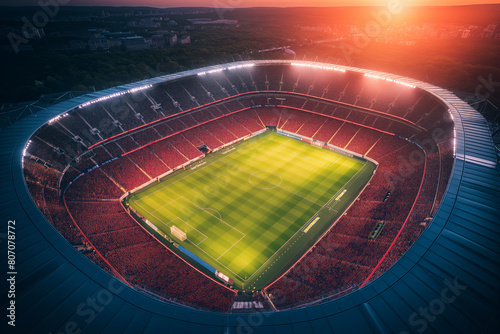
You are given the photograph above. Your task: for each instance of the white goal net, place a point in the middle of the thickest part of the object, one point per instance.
(176, 232)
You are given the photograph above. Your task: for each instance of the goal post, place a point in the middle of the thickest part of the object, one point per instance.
(178, 233)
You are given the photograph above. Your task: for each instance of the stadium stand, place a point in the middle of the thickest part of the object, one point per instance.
(149, 162)
(101, 154)
(114, 148)
(147, 136)
(94, 185)
(127, 143)
(455, 248)
(142, 260)
(168, 154)
(339, 259)
(183, 145)
(126, 173)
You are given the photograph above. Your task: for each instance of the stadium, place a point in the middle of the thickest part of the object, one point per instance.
(257, 196)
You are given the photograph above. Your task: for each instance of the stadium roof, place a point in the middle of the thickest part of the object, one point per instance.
(446, 282)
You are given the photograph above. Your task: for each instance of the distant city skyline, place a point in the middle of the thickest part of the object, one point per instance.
(249, 3)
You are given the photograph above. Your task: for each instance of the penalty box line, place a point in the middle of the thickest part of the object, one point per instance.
(161, 207)
(305, 224)
(309, 158)
(152, 214)
(203, 209)
(230, 247)
(168, 224)
(217, 259)
(279, 249)
(182, 220)
(201, 249)
(196, 205)
(208, 164)
(306, 157)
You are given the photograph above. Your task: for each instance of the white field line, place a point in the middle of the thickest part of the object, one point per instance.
(284, 244)
(169, 184)
(230, 247)
(196, 245)
(198, 242)
(235, 274)
(352, 179)
(283, 143)
(215, 216)
(309, 158)
(307, 199)
(249, 181)
(206, 209)
(301, 228)
(234, 228)
(168, 224)
(182, 220)
(201, 249)
(161, 207)
(148, 211)
(207, 164)
(226, 152)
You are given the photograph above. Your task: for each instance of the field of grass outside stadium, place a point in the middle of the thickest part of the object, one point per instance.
(250, 211)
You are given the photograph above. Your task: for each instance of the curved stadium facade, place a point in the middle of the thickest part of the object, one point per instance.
(432, 204)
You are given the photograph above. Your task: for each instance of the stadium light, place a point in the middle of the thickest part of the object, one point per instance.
(240, 66)
(25, 151)
(322, 67)
(58, 117)
(217, 70)
(103, 98)
(389, 79)
(454, 142)
(454, 133)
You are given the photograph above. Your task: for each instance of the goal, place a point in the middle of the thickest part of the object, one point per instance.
(176, 232)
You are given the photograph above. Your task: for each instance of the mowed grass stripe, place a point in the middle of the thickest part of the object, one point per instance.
(263, 192)
(303, 172)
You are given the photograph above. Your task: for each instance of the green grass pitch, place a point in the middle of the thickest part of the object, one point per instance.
(249, 212)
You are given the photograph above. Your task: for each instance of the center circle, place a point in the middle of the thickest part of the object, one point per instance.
(264, 179)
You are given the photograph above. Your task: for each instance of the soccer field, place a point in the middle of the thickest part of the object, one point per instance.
(252, 211)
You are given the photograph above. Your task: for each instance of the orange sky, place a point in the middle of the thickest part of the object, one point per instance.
(253, 3)
(284, 3)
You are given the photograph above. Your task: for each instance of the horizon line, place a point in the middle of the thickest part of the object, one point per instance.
(254, 7)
